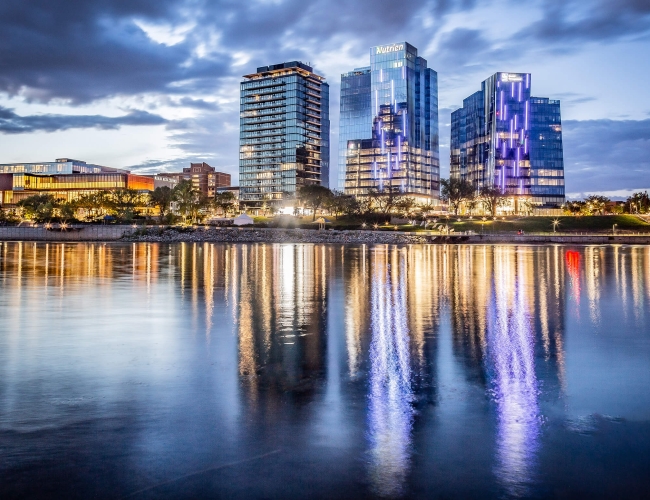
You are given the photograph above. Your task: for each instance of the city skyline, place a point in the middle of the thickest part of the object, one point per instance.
(153, 86)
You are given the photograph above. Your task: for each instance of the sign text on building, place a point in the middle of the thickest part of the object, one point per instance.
(385, 49)
(511, 77)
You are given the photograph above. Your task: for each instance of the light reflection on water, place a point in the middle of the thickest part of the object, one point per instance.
(331, 358)
(511, 362)
(390, 413)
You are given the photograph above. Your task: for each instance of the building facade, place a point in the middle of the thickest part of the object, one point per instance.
(284, 133)
(389, 116)
(65, 179)
(506, 139)
(355, 116)
(205, 178)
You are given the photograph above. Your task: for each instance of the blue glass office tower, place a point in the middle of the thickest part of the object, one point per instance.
(504, 138)
(389, 125)
(284, 133)
(355, 115)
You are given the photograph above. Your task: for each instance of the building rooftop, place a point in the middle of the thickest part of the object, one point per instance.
(284, 68)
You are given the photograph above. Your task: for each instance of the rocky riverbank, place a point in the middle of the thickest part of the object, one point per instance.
(253, 235)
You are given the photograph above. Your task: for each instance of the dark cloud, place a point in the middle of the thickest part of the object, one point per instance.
(11, 123)
(467, 47)
(85, 50)
(566, 21)
(606, 155)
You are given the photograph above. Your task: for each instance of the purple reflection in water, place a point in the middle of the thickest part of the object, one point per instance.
(511, 367)
(390, 414)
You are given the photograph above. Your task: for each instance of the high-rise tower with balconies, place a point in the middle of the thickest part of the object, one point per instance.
(284, 133)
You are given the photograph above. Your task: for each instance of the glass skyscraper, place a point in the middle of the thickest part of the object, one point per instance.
(284, 133)
(355, 117)
(389, 125)
(504, 138)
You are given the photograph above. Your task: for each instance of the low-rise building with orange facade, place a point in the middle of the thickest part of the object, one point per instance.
(66, 179)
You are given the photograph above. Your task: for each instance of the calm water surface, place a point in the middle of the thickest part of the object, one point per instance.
(324, 371)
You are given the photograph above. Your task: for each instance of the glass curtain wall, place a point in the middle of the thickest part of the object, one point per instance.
(355, 119)
(504, 138)
(403, 152)
(546, 156)
(282, 132)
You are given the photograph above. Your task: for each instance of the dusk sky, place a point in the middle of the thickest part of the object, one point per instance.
(151, 85)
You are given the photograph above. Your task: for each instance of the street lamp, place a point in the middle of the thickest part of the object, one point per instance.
(483, 225)
(555, 224)
(614, 229)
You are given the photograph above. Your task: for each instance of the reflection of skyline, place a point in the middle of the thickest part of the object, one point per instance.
(390, 395)
(511, 365)
(265, 308)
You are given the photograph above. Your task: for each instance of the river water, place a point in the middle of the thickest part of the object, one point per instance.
(324, 371)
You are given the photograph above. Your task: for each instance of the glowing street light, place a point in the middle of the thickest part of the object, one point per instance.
(614, 229)
(555, 224)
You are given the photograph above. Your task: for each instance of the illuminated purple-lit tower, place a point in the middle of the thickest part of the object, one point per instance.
(507, 102)
(504, 138)
(397, 143)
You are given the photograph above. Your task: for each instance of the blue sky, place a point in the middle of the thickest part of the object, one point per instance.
(151, 85)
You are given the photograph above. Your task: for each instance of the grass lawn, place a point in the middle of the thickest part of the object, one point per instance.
(568, 224)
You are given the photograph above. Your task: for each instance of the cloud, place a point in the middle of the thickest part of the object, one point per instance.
(606, 155)
(11, 123)
(81, 51)
(464, 47)
(565, 21)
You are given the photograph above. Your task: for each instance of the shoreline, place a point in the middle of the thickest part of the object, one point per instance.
(156, 234)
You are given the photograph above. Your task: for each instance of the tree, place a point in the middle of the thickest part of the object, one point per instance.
(161, 198)
(596, 204)
(492, 198)
(124, 203)
(190, 201)
(95, 204)
(405, 205)
(314, 196)
(6, 217)
(38, 207)
(526, 206)
(67, 209)
(385, 200)
(427, 208)
(339, 202)
(573, 207)
(455, 191)
(471, 204)
(638, 203)
(226, 202)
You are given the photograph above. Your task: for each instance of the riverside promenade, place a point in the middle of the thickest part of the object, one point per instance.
(277, 235)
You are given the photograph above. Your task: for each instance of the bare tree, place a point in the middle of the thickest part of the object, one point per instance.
(492, 198)
(455, 191)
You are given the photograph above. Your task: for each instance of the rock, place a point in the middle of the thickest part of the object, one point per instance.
(236, 235)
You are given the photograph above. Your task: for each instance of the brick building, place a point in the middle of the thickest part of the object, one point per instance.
(204, 178)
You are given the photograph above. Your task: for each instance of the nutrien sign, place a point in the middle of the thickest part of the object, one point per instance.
(385, 49)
